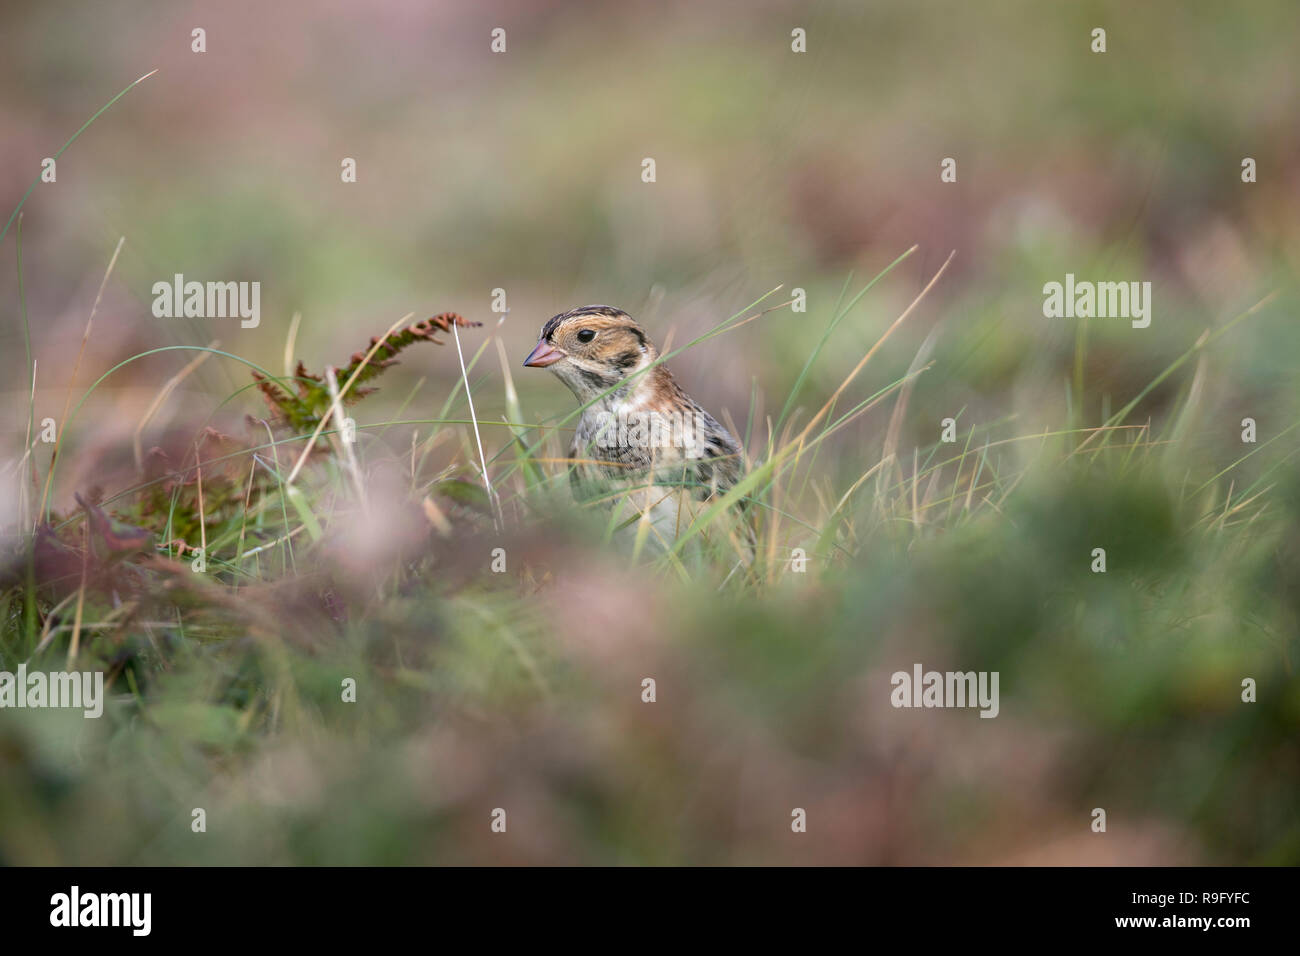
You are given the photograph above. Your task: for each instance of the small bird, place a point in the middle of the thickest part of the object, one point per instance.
(640, 437)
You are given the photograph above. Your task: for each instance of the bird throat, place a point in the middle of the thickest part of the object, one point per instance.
(587, 383)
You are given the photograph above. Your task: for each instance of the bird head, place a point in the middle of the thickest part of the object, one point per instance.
(591, 349)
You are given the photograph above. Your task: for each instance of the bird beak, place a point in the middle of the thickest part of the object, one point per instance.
(542, 356)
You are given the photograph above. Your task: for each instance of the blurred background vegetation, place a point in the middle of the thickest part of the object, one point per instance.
(522, 171)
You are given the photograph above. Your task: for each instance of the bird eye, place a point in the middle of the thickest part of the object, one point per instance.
(586, 335)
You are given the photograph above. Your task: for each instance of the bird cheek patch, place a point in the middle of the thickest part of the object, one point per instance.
(592, 378)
